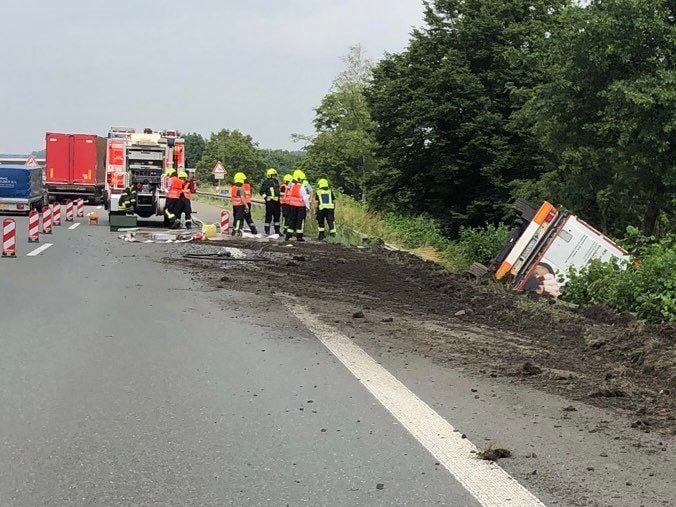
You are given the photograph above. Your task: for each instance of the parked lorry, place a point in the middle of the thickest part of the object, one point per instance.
(546, 245)
(21, 188)
(75, 166)
(140, 160)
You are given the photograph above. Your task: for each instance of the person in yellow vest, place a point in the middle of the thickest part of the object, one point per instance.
(240, 209)
(299, 203)
(270, 190)
(185, 206)
(326, 208)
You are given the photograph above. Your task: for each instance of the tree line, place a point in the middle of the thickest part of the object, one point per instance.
(498, 99)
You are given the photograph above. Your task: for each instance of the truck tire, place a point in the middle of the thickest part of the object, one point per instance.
(524, 209)
(477, 270)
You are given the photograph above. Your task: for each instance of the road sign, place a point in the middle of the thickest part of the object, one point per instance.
(219, 171)
(31, 162)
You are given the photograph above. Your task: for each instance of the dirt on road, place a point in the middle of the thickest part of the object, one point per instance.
(400, 301)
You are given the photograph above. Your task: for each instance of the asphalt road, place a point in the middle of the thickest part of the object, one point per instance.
(122, 382)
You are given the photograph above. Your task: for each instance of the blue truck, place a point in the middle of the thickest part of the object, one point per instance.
(21, 188)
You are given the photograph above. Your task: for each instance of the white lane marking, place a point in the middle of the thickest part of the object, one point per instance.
(74, 226)
(486, 481)
(99, 207)
(39, 250)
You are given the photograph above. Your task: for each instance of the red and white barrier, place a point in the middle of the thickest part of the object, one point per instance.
(33, 227)
(80, 208)
(69, 211)
(8, 237)
(46, 219)
(56, 213)
(225, 222)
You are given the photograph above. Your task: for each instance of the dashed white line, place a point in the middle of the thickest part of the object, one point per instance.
(39, 250)
(486, 481)
(99, 207)
(74, 226)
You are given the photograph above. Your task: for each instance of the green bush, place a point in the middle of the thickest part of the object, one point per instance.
(480, 244)
(646, 288)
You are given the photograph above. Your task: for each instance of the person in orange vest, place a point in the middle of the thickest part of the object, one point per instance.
(240, 208)
(185, 197)
(171, 205)
(299, 203)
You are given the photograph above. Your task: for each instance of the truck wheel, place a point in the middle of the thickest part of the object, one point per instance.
(523, 208)
(477, 270)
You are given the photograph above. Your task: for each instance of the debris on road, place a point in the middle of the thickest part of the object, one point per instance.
(529, 368)
(138, 235)
(491, 454)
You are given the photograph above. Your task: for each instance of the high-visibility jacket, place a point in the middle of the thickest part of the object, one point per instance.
(235, 197)
(174, 188)
(187, 189)
(325, 198)
(247, 192)
(283, 190)
(295, 198)
(271, 190)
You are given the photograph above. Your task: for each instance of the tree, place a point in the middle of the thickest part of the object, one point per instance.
(446, 110)
(237, 152)
(282, 160)
(194, 148)
(343, 147)
(607, 114)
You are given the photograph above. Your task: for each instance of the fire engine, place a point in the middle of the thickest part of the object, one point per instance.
(140, 159)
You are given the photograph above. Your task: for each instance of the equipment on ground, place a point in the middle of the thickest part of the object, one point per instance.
(21, 188)
(75, 166)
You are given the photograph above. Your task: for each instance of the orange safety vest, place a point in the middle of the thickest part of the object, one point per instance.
(283, 188)
(235, 197)
(186, 190)
(294, 196)
(175, 187)
(247, 192)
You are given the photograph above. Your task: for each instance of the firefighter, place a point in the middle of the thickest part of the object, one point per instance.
(326, 205)
(127, 201)
(171, 206)
(248, 193)
(185, 196)
(299, 203)
(283, 200)
(239, 207)
(271, 192)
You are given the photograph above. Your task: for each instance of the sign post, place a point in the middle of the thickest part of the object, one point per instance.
(219, 173)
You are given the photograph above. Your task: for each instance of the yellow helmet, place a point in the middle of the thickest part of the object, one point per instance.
(170, 171)
(183, 174)
(323, 183)
(239, 178)
(271, 172)
(288, 178)
(298, 175)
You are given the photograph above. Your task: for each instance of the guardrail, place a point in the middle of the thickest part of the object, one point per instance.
(221, 196)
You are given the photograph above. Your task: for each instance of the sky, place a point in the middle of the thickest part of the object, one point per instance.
(259, 66)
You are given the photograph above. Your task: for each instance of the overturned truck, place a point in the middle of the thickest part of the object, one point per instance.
(544, 247)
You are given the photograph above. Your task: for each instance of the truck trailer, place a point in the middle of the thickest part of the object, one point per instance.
(75, 167)
(21, 188)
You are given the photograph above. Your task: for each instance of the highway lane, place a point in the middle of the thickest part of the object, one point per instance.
(123, 383)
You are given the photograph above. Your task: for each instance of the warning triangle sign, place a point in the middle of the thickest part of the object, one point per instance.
(219, 169)
(31, 162)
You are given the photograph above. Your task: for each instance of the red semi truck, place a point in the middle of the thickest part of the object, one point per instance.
(75, 167)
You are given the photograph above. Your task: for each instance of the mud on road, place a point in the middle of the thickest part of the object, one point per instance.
(400, 301)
